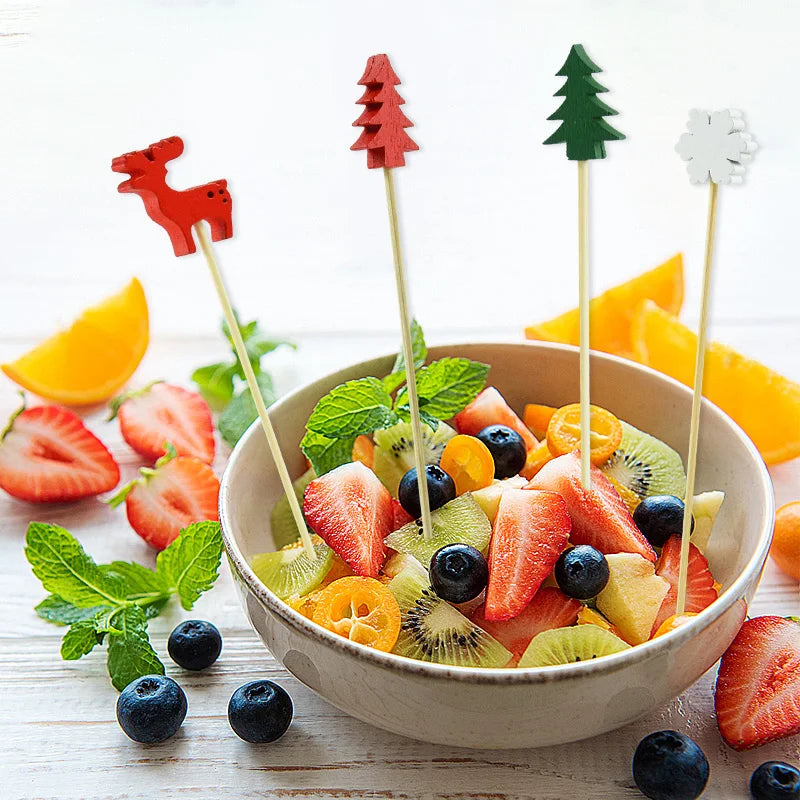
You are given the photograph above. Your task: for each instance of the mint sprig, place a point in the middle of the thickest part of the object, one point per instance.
(112, 602)
(223, 384)
(363, 406)
(447, 386)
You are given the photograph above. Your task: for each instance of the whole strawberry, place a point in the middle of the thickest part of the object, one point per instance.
(178, 491)
(757, 698)
(162, 413)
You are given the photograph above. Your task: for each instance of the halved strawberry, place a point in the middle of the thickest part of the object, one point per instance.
(400, 516)
(700, 589)
(550, 608)
(166, 499)
(757, 698)
(489, 408)
(352, 511)
(162, 413)
(47, 455)
(530, 531)
(599, 515)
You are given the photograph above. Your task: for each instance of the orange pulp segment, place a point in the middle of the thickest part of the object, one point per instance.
(765, 404)
(93, 358)
(612, 312)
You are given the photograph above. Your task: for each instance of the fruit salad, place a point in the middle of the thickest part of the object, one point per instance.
(524, 566)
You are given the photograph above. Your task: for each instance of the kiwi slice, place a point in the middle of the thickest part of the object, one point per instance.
(289, 571)
(460, 520)
(570, 645)
(646, 465)
(281, 521)
(394, 451)
(432, 630)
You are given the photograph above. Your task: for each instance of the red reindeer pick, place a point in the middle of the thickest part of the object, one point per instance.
(175, 211)
(384, 137)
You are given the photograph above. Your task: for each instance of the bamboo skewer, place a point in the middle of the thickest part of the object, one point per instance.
(258, 400)
(697, 398)
(408, 354)
(583, 305)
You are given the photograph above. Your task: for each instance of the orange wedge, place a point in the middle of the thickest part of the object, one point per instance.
(91, 360)
(612, 311)
(764, 403)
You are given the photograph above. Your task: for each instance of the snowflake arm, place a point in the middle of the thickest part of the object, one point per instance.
(716, 146)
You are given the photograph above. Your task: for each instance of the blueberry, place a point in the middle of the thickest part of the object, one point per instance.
(194, 644)
(507, 448)
(459, 572)
(441, 489)
(581, 572)
(775, 780)
(260, 711)
(151, 709)
(669, 766)
(658, 517)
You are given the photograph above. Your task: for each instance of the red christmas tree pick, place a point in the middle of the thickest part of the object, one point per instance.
(173, 210)
(384, 123)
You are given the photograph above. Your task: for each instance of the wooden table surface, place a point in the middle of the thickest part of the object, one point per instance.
(61, 741)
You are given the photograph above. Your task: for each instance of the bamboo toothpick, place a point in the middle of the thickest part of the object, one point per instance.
(716, 147)
(252, 383)
(697, 399)
(583, 307)
(408, 355)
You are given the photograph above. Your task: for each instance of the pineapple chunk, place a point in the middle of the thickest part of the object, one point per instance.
(705, 508)
(488, 498)
(632, 596)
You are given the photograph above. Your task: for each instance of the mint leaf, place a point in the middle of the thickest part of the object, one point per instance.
(256, 342)
(80, 639)
(326, 454)
(57, 610)
(130, 654)
(420, 351)
(352, 408)
(215, 383)
(404, 412)
(191, 562)
(140, 582)
(64, 569)
(241, 412)
(447, 386)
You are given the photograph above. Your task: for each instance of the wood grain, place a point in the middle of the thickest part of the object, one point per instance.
(61, 740)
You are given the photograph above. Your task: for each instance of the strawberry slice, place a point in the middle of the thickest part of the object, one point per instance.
(47, 455)
(400, 516)
(550, 608)
(160, 504)
(530, 531)
(162, 413)
(757, 698)
(489, 408)
(700, 589)
(352, 511)
(599, 515)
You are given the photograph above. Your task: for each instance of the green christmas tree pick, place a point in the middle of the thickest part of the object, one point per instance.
(582, 128)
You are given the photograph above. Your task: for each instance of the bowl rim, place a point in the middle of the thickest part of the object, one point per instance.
(501, 675)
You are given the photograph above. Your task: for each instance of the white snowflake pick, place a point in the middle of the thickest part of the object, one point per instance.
(716, 146)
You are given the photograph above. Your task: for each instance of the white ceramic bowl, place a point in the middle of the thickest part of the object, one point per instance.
(504, 708)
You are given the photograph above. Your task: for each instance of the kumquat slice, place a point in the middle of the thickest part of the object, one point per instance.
(361, 609)
(468, 462)
(564, 432)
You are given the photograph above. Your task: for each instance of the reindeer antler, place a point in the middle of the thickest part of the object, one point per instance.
(166, 149)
